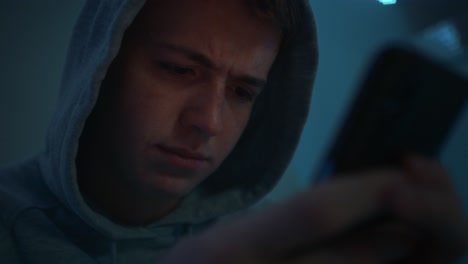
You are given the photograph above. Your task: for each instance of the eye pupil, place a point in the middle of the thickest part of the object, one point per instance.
(243, 93)
(181, 70)
(175, 68)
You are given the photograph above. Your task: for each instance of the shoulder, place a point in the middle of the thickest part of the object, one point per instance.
(21, 187)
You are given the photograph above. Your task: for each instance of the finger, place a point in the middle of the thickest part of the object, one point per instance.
(427, 173)
(433, 208)
(439, 215)
(320, 214)
(385, 243)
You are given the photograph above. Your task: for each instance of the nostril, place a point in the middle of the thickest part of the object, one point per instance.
(210, 125)
(204, 110)
(206, 121)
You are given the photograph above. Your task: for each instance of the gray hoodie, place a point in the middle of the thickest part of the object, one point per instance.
(44, 217)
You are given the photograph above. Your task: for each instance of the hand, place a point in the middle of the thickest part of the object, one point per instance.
(319, 226)
(431, 205)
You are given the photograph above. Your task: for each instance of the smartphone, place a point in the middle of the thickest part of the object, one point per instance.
(408, 103)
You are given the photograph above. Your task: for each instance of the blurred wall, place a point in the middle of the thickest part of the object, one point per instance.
(33, 42)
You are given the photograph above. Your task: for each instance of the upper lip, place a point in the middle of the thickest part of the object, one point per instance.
(185, 152)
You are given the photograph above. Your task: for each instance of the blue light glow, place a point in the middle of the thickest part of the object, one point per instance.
(388, 2)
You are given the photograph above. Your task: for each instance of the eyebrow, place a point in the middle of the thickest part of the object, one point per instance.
(205, 61)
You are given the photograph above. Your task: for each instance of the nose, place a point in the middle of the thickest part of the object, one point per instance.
(204, 111)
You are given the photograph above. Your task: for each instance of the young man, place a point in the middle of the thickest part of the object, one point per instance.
(175, 113)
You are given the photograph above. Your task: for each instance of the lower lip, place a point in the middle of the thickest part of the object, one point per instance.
(182, 162)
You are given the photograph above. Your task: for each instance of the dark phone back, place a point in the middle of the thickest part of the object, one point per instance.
(407, 104)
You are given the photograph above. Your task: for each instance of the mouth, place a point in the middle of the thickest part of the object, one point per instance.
(182, 157)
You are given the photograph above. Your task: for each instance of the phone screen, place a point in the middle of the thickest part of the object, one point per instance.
(408, 103)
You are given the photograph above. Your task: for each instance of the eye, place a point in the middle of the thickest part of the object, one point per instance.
(175, 68)
(244, 94)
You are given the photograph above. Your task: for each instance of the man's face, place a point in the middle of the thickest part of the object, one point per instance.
(181, 91)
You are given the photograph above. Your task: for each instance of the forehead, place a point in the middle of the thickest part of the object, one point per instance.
(217, 27)
(233, 17)
(179, 9)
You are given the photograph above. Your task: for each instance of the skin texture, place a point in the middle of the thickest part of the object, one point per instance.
(174, 104)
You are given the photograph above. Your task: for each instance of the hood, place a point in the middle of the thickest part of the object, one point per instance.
(248, 173)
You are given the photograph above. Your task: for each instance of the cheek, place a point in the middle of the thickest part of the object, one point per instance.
(148, 119)
(138, 114)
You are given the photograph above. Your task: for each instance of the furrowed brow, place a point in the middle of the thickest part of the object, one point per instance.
(252, 81)
(205, 61)
(191, 54)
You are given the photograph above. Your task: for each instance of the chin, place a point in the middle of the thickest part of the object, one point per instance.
(169, 186)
